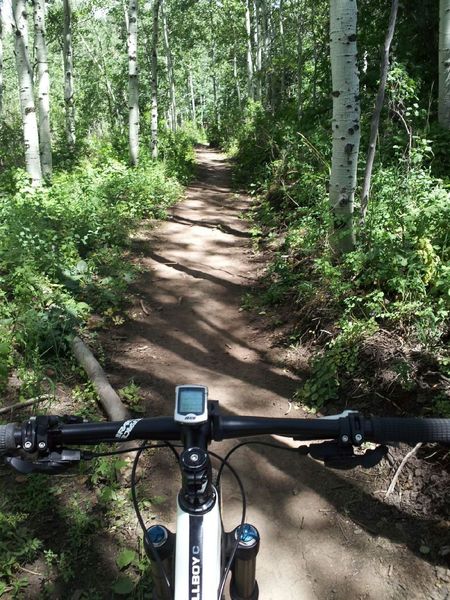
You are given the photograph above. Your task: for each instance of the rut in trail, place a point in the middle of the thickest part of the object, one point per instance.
(322, 535)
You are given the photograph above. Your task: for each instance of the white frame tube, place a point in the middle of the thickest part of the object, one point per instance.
(198, 554)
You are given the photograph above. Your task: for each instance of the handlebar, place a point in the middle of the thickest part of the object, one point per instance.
(49, 432)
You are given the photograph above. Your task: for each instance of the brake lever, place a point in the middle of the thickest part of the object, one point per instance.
(338, 456)
(51, 464)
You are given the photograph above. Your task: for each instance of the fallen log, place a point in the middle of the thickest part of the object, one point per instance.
(113, 406)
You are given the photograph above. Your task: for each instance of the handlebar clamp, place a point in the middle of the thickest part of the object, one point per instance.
(351, 429)
(35, 431)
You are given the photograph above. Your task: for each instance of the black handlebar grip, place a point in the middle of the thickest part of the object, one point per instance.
(410, 430)
(7, 441)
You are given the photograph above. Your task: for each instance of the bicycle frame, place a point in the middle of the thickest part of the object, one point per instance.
(198, 554)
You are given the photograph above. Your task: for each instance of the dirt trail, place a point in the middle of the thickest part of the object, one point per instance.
(322, 535)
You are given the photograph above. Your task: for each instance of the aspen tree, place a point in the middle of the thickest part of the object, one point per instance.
(69, 102)
(248, 27)
(444, 64)
(170, 71)
(27, 107)
(377, 112)
(345, 123)
(1, 57)
(133, 82)
(192, 93)
(43, 87)
(154, 82)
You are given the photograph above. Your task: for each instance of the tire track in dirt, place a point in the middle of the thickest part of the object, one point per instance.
(322, 535)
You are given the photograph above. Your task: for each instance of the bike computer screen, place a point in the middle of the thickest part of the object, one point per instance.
(191, 404)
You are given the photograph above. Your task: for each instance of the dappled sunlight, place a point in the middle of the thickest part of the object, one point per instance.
(316, 525)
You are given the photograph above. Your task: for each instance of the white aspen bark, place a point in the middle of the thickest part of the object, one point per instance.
(133, 82)
(192, 93)
(258, 48)
(444, 64)
(214, 66)
(27, 107)
(1, 57)
(300, 61)
(69, 102)
(125, 14)
(236, 80)
(202, 111)
(377, 112)
(154, 83)
(315, 54)
(265, 34)
(170, 71)
(103, 71)
(43, 87)
(248, 26)
(345, 123)
(283, 52)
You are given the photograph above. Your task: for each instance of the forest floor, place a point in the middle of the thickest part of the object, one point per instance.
(325, 534)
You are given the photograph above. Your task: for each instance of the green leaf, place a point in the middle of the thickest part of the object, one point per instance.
(123, 586)
(158, 500)
(125, 558)
(82, 266)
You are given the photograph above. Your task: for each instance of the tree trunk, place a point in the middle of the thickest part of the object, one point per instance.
(283, 53)
(192, 93)
(266, 34)
(444, 64)
(345, 123)
(43, 87)
(248, 26)
(377, 112)
(170, 73)
(133, 82)
(1, 57)
(258, 48)
(154, 86)
(236, 81)
(300, 61)
(68, 76)
(315, 55)
(27, 107)
(99, 62)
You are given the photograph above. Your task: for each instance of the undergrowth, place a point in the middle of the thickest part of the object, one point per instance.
(396, 280)
(61, 246)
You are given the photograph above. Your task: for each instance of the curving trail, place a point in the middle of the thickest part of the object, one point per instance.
(323, 536)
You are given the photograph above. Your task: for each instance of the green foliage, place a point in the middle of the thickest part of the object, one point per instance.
(177, 150)
(338, 360)
(61, 251)
(130, 394)
(397, 277)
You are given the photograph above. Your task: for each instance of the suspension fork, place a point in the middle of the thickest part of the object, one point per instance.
(243, 585)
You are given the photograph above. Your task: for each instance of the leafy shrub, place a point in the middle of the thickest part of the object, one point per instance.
(176, 148)
(60, 249)
(398, 276)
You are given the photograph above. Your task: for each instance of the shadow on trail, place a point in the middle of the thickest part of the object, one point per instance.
(68, 525)
(212, 224)
(193, 272)
(191, 334)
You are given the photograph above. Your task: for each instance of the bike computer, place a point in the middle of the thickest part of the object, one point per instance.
(191, 404)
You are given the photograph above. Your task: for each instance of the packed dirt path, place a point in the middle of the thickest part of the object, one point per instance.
(323, 536)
